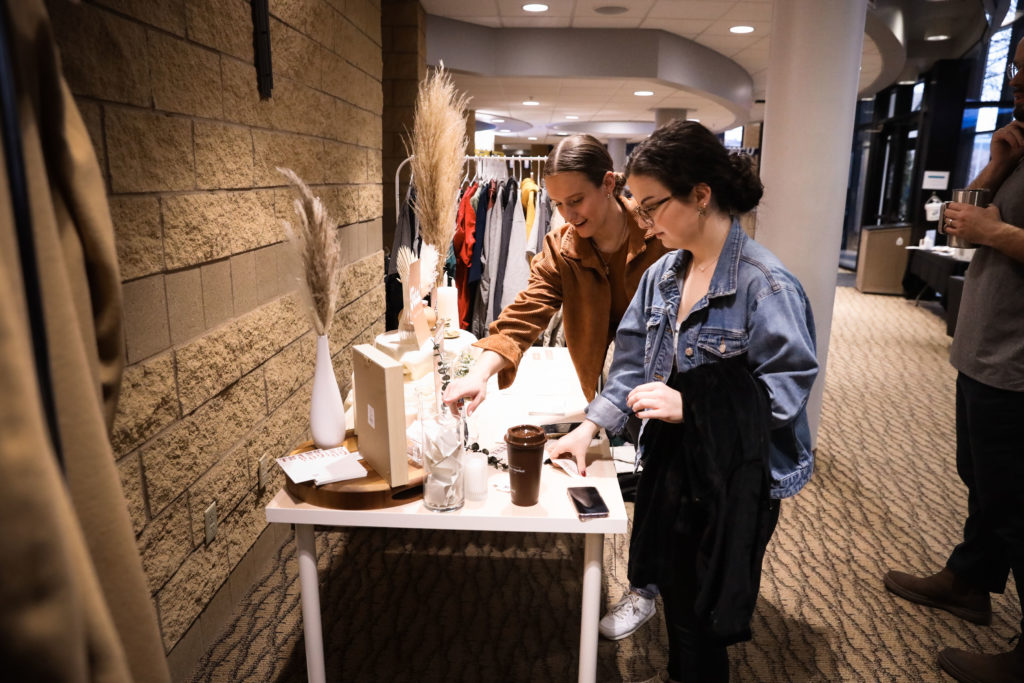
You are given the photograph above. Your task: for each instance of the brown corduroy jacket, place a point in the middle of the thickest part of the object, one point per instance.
(74, 602)
(568, 273)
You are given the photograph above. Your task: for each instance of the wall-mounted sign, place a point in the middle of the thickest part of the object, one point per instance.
(935, 180)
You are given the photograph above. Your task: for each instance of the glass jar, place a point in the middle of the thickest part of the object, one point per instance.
(444, 481)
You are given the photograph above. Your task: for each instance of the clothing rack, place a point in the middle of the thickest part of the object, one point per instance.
(468, 158)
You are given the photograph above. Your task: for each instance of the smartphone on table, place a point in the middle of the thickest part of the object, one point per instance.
(588, 502)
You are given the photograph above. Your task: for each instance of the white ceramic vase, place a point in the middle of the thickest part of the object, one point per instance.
(327, 411)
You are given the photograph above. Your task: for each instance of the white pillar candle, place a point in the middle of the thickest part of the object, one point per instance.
(448, 305)
(475, 465)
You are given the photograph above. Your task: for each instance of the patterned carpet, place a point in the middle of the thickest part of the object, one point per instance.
(475, 607)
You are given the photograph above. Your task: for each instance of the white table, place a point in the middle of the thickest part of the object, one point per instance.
(542, 376)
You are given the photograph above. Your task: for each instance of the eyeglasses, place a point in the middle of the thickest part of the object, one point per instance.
(645, 214)
(1011, 71)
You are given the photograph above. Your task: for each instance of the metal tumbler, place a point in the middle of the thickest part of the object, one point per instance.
(978, 197)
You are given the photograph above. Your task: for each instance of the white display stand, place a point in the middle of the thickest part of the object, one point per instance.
(542, 378)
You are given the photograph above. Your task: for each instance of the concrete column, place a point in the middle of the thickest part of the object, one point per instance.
(663, 116)
(617, 150)
(811, 96)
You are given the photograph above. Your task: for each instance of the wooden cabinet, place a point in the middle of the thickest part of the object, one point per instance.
(882, 258)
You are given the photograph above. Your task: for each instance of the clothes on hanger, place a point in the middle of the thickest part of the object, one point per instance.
(407, 234)
(528, 196)
(465, 236)
(494, 240)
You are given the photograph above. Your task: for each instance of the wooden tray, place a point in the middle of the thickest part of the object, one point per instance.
(368, 493)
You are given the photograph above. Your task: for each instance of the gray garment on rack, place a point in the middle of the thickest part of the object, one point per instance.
(507, 198)
(406, 232)
(517, 265)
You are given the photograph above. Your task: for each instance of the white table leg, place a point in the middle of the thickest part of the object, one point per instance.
(309, 583)
(593, 554)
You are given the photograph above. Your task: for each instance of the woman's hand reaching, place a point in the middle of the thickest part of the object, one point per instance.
(472, 387)
(575, 443)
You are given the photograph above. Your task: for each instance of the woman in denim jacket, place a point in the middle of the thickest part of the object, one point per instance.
(719, 296)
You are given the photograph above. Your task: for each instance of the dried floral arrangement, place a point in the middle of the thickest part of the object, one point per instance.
(438, 147)
(315, 238)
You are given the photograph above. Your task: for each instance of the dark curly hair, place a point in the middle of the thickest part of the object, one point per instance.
(583, 154)
(682, 154)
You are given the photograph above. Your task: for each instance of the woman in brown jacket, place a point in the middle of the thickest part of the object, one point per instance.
(590, 267)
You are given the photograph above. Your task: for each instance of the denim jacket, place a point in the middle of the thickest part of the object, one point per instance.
(753, 306)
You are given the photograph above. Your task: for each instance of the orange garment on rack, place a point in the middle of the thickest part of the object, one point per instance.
(465, 238)
(528, 196)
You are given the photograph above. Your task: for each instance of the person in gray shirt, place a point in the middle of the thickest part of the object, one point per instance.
(988, 353)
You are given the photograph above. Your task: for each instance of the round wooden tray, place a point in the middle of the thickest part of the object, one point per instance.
(368, 493)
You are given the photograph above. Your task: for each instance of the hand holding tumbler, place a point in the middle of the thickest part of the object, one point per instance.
(979, 197)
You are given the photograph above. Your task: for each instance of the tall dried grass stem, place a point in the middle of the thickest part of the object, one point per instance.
(315, 239)
(438, 147)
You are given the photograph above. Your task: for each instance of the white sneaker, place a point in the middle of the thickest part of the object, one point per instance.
(626, 616)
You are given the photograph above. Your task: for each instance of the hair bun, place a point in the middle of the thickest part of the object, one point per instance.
(620, 183)
(746, 186)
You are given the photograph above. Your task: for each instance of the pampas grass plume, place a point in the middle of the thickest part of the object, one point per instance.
(438, 147)
(315, 238)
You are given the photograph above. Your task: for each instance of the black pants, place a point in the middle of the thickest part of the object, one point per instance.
(990, 461)
(692, 656)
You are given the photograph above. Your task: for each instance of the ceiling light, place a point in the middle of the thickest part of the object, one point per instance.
(531, 138)
(535, 7)
(643, 93)
(531, 103)
(561, 135)
(741, 29)
(504, 130)
(938, 29)
(611, 9)
(571, 117)
(497, 120)
(908, 76)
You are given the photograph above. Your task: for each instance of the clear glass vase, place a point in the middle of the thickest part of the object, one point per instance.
(444, 483)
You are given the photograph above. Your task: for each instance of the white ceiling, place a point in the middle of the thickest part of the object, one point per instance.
(705, 22)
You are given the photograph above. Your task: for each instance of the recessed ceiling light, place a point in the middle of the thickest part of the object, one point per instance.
(531, 138)
(741, 29)
(497, 120)
(938, 29)
(562, 135)
(504, 130)
(611, 9)
(643, 93)
(535, 7)
(571, 117)
(530, 103)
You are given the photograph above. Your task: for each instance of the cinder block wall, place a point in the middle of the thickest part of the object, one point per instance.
(219, 346)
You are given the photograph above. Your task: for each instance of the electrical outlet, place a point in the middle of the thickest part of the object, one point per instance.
(263, 471)
(211, 522)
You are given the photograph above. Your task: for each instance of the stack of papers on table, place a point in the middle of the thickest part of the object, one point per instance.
(323, 466)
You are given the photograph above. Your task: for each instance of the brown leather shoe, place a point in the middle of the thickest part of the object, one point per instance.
(969, 667)
(945, 591)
